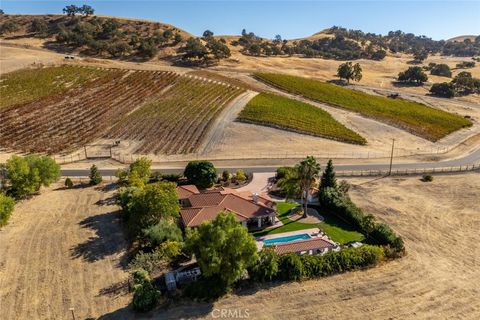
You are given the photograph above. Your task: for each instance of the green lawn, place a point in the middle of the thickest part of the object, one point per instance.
(32, 84)
(419, 119)
(336, 229)
(281, 112)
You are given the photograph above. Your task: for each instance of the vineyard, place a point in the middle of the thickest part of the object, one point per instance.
(32, 84)
(281, 112)
(162, 111)
(419, 119)
(176, 122)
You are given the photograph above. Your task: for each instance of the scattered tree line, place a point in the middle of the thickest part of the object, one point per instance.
(338, 47)
(205, 50)
(463, 84)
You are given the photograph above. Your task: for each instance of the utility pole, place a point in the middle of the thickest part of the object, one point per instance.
(391, 158)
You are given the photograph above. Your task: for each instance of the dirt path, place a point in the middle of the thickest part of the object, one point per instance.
(436, 280)
(62, 249)
(216, 131)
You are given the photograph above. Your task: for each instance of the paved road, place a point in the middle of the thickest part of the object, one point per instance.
(471, 159)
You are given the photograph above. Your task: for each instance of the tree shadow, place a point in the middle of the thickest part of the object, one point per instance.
(116, 289)
(108, 240)
(338, 82)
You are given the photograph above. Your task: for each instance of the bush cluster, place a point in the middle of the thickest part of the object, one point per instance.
(293, 267)
(6, 208)
(145, 296)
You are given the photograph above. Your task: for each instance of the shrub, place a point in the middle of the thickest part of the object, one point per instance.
(427, 178)
(172, 177)
(164, 230)
(68, 183)
(465, 64)
(6, 208)
(240, 175)
(95, 176)
(145, 296)
(225, 175)
(121, 176)
(442, 70)
(201, 173)
(266, 267)
(291, 267)
(444, 89)
(341, 261)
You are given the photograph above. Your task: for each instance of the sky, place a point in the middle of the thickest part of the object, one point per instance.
(291, 19)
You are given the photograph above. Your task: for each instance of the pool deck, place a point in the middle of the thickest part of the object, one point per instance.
(259, 240)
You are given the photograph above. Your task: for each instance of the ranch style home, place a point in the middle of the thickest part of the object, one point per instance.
(253, 211)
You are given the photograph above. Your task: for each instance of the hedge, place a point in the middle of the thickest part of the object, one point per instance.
(299, 267)
(377, 233)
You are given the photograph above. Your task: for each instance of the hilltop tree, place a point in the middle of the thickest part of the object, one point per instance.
(420, 55)
(218, 49)
(222, 248)
(207, 34)
(194, 49)
(350, 71)
(39, 27)
(2, 12)
(71, 10)
(8, 27)
(328, 179)
(86, 10)
(201, 173)
(413, 75)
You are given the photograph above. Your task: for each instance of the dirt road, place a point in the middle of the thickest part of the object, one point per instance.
(62, 249)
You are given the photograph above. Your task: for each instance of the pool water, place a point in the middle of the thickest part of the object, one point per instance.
(269, 242)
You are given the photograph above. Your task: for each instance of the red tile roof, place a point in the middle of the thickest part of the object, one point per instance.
(207, 204)
(303, 245)
(186, 191)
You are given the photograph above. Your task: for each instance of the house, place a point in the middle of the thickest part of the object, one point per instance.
(253, 211)
(316, 245)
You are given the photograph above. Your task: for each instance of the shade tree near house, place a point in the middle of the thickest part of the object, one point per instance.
(222, 248)
(201, 173)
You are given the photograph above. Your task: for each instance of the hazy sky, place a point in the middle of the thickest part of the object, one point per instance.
(291, 19)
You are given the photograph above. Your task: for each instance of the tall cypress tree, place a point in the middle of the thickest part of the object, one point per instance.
(328, 177)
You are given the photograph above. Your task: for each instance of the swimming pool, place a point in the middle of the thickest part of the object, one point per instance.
(296, 237)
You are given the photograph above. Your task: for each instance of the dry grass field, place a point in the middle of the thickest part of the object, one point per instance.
(62, 249)
(437, 279)
(65, 248)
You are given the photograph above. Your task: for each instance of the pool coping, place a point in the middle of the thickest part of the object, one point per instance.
(259, 240)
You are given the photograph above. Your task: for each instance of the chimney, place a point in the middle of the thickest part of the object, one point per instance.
(255, 197)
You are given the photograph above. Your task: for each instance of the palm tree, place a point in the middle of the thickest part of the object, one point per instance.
(307, 171)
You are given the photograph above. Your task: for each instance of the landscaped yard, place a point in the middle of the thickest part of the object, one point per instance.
(334, 228)
(281, 112)
(419, 119)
